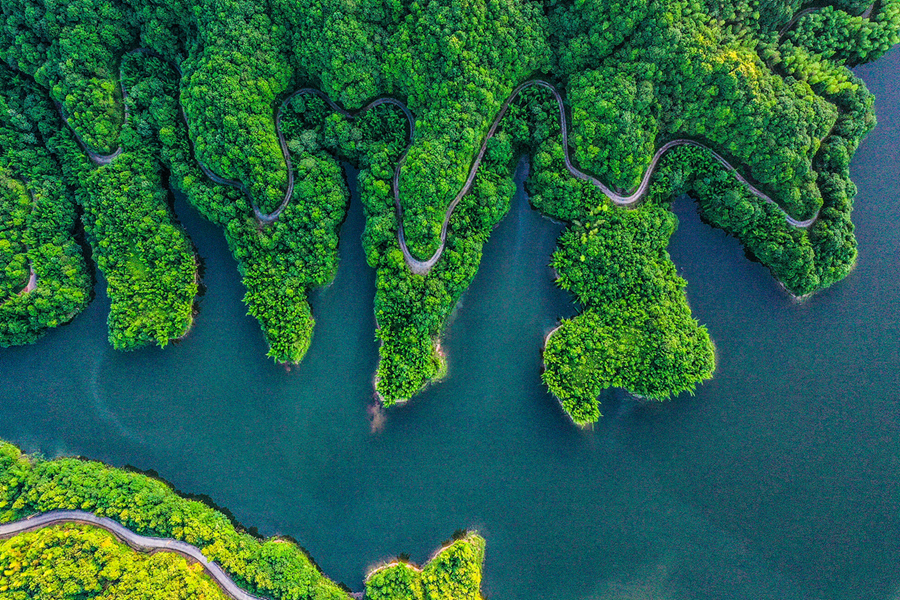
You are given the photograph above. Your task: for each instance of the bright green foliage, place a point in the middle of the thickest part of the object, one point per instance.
(149, 507)
(395, 581)
(617, 125)
(411, 309)
(229, 92)
(454, 573)
(147, 259)
(636, 74)
(89, 564)
(14, 208)
(584, 33)
(456, 61)
(279, 263)
(38, 221)
(146, 256)
(636, 331)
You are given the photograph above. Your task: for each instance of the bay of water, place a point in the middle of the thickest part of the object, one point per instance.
(778, 480)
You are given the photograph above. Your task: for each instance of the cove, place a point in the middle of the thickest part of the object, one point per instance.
(778, 480)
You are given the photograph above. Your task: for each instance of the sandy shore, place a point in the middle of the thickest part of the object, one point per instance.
(32, 281)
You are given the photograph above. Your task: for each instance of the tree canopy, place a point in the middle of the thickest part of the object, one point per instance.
(111, 103)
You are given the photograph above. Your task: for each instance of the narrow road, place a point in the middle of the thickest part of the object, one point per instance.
(97, 159)
(423, 267)
(135, 541)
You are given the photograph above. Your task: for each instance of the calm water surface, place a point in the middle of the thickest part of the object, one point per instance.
(778, 480)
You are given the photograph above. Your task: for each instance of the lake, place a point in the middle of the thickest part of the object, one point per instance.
(779, 480)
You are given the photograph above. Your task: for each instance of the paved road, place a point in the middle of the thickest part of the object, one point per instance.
(135, 541)
(424, 266)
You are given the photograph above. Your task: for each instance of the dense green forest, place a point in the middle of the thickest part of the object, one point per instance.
(453, 573)
(113, 103)
(44, 281)
(89, 563)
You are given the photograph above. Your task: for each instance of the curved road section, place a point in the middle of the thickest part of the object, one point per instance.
(423, 267)
(135, 541)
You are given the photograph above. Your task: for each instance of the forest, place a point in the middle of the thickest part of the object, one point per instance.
(113, 105)
(90, 563)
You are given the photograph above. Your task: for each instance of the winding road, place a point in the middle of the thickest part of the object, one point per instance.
(32, 280)
(135, 541)
(423, 267)
(218, 575)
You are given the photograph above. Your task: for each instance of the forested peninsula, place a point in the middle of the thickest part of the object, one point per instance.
(96, 524)
(247, 107)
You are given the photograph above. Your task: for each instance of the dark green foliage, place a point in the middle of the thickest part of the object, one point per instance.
(71, 48)
(844, 38)
(804, 260)
(692, 79)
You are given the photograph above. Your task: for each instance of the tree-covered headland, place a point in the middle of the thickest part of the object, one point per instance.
(112, 103)
(89, 563)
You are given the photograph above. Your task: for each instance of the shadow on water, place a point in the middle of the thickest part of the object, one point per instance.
(778, 480)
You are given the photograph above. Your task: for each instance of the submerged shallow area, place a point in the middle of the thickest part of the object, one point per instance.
(779, 479)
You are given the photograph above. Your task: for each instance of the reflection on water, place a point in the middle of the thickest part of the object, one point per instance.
(779, 480)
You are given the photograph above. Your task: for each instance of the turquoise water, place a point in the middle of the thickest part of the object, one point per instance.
(778, 480)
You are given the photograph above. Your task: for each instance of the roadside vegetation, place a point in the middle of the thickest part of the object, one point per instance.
(188, 96)
(90, 563)
(272, 568)
(44, 280)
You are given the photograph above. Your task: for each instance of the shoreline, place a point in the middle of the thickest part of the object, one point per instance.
(440, 376)
(423, 267)
(582, 426)
(195, 303)
(418, 568)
